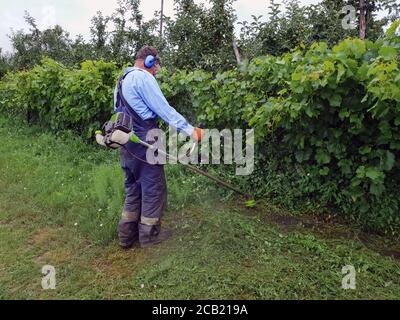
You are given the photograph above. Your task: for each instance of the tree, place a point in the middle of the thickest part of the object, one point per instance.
(56, 44)
(369, 25)
(119, 47)
(98, 31)
(27, 46)
(363, 19)
(217, 36)
(145, 33)
(130, 31)
(287, 26)
(183, 35)
(32, 46)
(326, 22)
(82, 50)
(201, 38)
(5, 64)
(290, 25)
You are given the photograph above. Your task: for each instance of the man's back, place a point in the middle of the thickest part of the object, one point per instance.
(143, 94)
(135, 82)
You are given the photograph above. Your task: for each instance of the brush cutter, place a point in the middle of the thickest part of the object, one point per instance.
(118, 133)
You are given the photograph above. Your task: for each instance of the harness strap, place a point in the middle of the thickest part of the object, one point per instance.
(120, 97)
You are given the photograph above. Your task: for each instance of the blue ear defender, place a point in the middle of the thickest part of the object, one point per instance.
(150, 61)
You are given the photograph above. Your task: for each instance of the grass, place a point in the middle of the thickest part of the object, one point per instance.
(60, 201)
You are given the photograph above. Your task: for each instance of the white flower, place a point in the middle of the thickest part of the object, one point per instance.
(75, 224)
(142, 286)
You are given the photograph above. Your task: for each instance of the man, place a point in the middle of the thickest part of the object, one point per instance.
(139, 95)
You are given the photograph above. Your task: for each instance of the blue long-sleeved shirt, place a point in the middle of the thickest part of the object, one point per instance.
(142, 92)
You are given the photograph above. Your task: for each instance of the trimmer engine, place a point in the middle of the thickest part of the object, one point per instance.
(118, 131)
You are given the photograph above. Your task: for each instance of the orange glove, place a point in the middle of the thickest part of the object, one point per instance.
(198, 134)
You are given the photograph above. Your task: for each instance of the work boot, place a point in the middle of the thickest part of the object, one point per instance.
(128, 233)
(152, 235)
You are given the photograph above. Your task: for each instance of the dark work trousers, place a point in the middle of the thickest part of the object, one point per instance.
(145, 189)
(146, 197)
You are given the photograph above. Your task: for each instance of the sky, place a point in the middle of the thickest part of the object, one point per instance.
(75, 15)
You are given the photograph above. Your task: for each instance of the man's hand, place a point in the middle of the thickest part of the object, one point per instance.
(198, 134)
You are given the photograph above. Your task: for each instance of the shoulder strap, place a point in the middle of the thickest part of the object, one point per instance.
(121, 101)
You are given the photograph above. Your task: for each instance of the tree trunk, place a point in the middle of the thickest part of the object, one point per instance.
(237, 53)
(363, 19)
